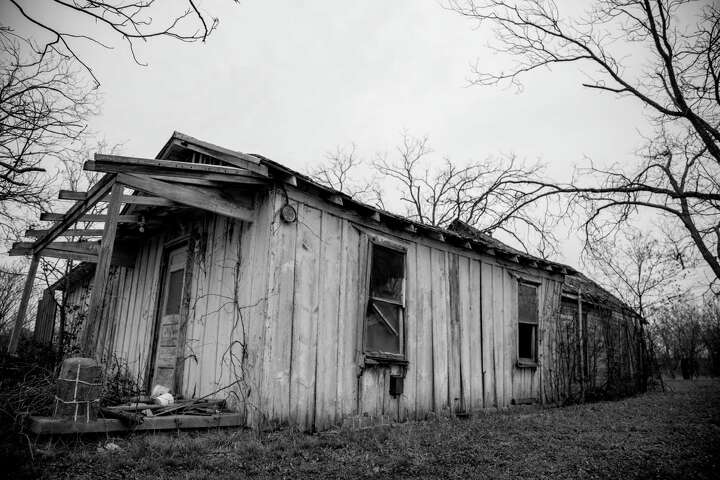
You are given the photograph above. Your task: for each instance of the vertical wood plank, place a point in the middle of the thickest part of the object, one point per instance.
(440, 330)
(304, 336)
(327, 330)
(407, 400)
(488, 346)
(347, 322)
(476, 335)
(466, 339)
(457, 400)
(280, 315)
(424, 373)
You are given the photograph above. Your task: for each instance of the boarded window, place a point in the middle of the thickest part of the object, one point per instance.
(385, 308)
(174, 292)
(527, 322)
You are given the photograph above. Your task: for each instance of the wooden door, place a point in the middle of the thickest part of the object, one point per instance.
(166, 344)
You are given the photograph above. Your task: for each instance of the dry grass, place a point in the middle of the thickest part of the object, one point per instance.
(658, 435)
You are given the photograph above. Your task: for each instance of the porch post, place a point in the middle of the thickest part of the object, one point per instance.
(22, 310)
(102, 269)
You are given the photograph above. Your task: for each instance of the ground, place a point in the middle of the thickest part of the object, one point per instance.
(673, 434)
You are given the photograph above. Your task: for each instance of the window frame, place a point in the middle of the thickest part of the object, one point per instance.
(374, 356)
(527, 362)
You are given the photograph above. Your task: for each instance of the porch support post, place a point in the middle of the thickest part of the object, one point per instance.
(102, 269)
(22, 311)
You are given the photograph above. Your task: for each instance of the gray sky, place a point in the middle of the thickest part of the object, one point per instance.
(294, 79)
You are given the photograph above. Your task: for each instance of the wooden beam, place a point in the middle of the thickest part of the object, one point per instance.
(80, 251)
(197, 197)
(71, 195)
(70, 232)
(248, 178)
(60, 217)
(22, 308)
(131, 199)
(98, 191)
(237, 159)
(60, 426)
(103, 267)
(118, 164)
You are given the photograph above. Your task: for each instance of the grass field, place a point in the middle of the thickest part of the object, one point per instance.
(675, 434)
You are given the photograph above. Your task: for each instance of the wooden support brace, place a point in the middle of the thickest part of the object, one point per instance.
(22, 309)
(103, 268)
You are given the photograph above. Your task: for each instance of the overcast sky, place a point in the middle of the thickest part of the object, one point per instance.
(294, 79)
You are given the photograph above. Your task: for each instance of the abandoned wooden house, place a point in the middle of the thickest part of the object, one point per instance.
(227, 272)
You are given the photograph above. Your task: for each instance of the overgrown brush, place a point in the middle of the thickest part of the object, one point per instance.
(119, 383)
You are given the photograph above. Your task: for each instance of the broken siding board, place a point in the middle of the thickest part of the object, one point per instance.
(488, 346)
(327, 330)
(279, 318)
(439, 329)
(302, 376)
(424, 376)
(347, 322)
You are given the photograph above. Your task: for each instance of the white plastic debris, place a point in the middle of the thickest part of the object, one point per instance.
(164, 399)
(159, 390)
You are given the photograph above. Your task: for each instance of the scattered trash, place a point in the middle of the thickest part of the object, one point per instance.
(165, 399)
(109, 447)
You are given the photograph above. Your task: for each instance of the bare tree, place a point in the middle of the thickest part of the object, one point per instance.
(481, 193)
(131, 20)
(12, 279)
(638, 268)
(340, 172)
(679, 84)
(44, 107)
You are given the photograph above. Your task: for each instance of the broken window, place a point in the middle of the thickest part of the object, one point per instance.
(527, 322)
(385, 308)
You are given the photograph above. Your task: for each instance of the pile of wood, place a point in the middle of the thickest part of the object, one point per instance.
(137, 410)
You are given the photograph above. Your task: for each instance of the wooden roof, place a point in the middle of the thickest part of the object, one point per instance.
(188, 172)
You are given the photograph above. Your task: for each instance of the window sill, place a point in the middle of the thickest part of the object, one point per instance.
(384, 359)
(526, 363)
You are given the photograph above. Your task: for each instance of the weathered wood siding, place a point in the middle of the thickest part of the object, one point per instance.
(461, 325)
(276, 311)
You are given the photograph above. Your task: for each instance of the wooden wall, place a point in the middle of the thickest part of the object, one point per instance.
(461, 314)
(276, 310)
